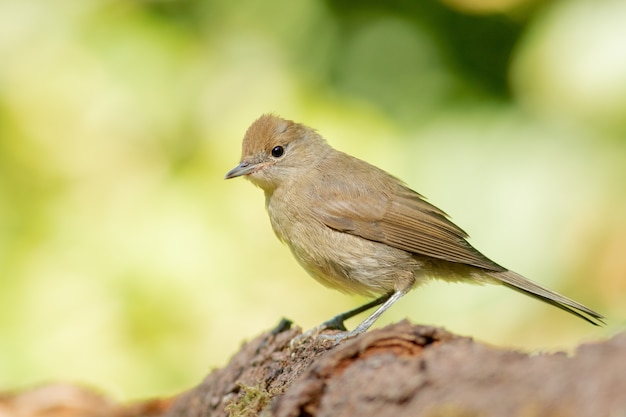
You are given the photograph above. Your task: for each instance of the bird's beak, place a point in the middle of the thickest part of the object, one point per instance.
(243, 168)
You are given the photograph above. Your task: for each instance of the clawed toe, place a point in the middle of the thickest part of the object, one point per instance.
(336, 338)
(301, 338)
(315, 333)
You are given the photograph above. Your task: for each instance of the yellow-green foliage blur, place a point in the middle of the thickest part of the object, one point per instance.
(129, 264)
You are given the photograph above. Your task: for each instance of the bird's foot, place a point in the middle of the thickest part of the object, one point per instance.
(337, 338)
(336, 323)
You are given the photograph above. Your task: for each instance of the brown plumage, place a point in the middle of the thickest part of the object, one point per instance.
(358, 229)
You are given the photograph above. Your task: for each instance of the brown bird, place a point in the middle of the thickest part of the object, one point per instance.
(358, 229)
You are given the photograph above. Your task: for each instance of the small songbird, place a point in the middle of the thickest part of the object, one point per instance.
(358, 229)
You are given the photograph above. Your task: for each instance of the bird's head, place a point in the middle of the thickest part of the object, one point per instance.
(275, 150)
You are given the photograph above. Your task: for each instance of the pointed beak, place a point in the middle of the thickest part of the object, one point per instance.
(244, 168)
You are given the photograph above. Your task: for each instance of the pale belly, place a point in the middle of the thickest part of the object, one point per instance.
(350, 263)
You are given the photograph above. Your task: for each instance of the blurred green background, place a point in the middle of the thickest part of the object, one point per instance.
(128, 263)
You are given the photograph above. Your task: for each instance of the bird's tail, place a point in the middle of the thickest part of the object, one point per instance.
(519, 283)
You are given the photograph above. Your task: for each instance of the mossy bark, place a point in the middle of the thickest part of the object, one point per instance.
(400, 370)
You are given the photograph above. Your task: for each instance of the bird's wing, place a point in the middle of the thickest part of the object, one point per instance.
(396, 216)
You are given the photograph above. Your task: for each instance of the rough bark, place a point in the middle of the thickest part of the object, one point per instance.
(400, 370)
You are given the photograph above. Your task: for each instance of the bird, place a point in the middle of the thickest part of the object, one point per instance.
(358, 229)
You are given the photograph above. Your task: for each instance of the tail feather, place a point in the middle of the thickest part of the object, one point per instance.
(519, 283)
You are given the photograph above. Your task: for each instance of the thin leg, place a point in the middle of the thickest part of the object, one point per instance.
(337, 322)
(389, 300)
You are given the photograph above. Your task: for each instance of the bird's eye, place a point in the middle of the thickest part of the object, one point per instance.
(278, 151)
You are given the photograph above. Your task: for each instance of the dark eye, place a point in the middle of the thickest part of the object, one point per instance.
(278, 151)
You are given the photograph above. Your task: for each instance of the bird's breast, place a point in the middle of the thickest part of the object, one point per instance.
(338, 260)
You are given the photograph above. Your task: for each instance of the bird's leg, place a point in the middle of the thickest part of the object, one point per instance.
(387, 301)
(337, 322)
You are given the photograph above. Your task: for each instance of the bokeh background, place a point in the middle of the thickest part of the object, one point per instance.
(129, 264)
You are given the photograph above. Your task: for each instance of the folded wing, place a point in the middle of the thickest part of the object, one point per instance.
(399, 217)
